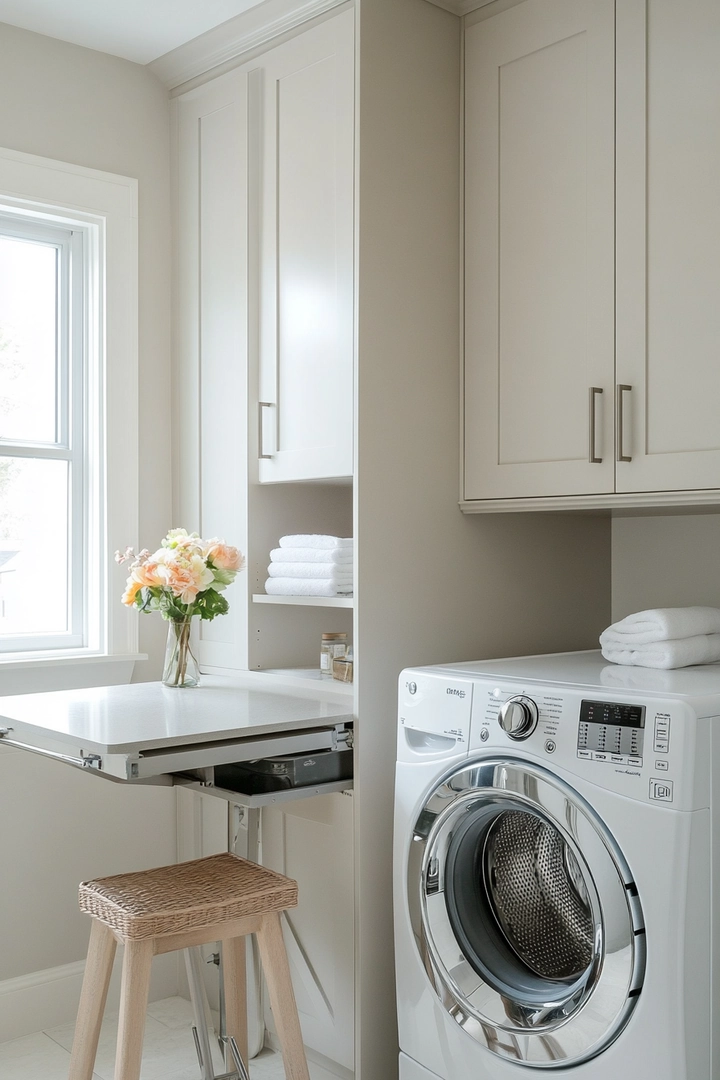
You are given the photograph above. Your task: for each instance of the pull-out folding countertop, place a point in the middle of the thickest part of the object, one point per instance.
(147, 731)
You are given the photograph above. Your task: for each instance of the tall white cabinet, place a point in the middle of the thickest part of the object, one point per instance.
(265, 336)
(265, 344)
(592, 229)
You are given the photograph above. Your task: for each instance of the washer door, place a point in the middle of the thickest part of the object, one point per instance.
(525, 914)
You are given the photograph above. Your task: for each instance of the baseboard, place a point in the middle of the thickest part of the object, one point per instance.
(46, 999)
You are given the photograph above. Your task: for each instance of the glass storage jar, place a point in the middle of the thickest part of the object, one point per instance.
(332, 647)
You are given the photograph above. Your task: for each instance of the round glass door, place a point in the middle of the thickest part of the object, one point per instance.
(525, 909)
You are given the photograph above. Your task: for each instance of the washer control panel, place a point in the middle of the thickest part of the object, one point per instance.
(611, 731)
(642, 747)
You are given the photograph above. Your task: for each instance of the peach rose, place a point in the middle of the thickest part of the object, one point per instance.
(185, 575)
(148, 574)
(132, 588)
(224, 556)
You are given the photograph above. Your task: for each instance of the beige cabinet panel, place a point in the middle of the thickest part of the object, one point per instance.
(311, 840)
(306, 255)
(539, 104)
(212, 339)
(668, 243)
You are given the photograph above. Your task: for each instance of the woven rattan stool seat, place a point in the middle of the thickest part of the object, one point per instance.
(219, 899)
(185, 896)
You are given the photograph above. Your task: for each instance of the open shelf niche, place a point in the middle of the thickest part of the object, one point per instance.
(284, 632)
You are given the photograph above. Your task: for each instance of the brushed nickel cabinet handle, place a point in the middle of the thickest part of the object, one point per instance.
(262, 405)
(623, 388)
(592, 457)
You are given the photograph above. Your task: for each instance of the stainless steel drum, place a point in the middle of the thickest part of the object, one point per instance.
(524, 909)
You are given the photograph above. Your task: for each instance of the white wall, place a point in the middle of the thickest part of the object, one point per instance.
(665, 561)
(60, 826)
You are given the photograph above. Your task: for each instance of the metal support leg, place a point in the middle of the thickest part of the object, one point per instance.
(201, 1009)
(245, 841)
(203, 1027)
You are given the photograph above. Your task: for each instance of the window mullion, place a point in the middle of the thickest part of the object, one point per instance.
(77, 406)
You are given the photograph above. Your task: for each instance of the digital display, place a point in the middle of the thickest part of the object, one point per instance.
(609, 731)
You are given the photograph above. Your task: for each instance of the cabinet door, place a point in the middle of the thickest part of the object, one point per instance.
(311, 840)
(668, 243)
(539, 254)
(212, 332)
(306, 256)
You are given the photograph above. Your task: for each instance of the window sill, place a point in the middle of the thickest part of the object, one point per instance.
(23, 673)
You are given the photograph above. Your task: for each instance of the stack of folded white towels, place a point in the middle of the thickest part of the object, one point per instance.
(664, 638)
(311, 564)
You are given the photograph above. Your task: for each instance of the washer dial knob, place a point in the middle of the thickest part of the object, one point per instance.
(518, 717)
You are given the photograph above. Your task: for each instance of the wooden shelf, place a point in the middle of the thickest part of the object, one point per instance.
(305, 601)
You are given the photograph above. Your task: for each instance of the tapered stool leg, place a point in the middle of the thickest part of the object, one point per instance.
(282, 997)
(98, 969)
(235, 986)
(133, 1005)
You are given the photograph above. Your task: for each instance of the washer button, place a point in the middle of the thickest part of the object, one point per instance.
(661, 766)
(484, 734)
(550, 746)
(661, 790)
(412, 688)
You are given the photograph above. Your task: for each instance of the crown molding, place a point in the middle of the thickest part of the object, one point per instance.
(232, 40)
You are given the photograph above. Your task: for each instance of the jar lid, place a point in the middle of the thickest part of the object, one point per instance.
(328, 637)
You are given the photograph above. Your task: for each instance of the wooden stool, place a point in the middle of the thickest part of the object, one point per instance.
(221, 898)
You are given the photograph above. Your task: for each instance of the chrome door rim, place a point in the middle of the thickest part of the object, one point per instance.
(534, 1021)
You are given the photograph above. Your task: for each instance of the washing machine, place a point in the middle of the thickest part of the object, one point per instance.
(555, 859)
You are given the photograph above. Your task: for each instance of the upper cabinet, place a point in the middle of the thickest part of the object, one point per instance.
(539, 248)
(592, 255)
(264, 323)
(306, 339)
(668, 242)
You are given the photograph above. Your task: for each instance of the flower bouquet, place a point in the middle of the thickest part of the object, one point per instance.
(186, 576)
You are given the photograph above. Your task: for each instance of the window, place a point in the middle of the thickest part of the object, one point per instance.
(68, 407)
(43, 541)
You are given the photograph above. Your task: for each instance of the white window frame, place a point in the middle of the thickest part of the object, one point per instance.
(76, 353)
(101, 210)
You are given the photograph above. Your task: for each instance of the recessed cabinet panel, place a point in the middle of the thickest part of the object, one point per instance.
(212, 342)
(539, 250)
(542, 178)
(306, 333)
(312, 841)
(668, 242)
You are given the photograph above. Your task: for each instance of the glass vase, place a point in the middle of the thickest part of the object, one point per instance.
(181, 667)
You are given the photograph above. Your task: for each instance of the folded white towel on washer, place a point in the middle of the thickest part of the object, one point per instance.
(341, 555)
(286, 586)
(311, 570)
(681, 652)
(663, 624)
(315, 540)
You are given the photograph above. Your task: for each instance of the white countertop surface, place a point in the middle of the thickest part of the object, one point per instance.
(139, 716)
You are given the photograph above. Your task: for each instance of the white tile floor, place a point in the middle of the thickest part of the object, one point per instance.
(168, 1051)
